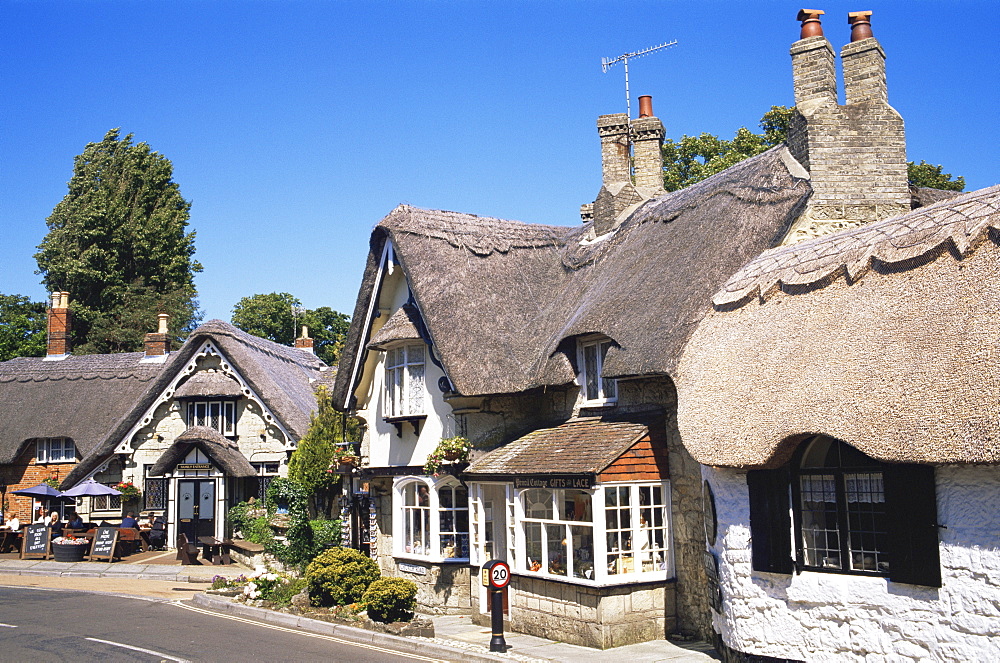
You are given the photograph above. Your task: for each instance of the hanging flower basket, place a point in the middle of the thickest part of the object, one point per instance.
(129, 491)
(449, 449)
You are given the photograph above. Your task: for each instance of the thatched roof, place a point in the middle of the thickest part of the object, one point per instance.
(580, 446)
(224, 453)
(500, 299)
(403, 325)
(206, 384)
(80, 397)
(281, 376)
(883, 336)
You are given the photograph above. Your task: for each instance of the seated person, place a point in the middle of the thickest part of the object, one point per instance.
(158, 533)
(75, 521)
(130, 521)
(55, 524)
(12, 522)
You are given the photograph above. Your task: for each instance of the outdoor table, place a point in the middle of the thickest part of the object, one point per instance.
(217, 551)
(9, 538)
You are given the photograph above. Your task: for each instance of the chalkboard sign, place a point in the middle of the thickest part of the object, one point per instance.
(105, 539)
(36, 541)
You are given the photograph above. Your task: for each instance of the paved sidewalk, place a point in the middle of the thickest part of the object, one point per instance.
(457, 638)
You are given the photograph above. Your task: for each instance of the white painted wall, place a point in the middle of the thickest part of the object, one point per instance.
(830, 617)
(385, 446)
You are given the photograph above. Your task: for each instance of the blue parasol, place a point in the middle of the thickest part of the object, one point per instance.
(41, 490)
(90, 487)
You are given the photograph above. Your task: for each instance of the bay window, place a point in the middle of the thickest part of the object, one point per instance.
(609, 534)
(433, 519)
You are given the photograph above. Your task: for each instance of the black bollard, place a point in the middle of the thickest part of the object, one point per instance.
(497, 643)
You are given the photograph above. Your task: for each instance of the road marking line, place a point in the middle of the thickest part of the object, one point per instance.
(307, 633)
(8, 626)
(144, 651)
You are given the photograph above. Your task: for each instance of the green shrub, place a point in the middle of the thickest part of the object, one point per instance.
(283, 594)
(326, 534)
(340, 576)
(390, 599)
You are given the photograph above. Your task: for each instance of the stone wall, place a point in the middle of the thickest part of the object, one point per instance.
(601, 617)
(832, 617)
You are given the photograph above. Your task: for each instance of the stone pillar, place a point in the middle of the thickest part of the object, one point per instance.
(60, 326)
(647, 137)
(613, 130)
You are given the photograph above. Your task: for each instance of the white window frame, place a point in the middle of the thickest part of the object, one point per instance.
(400, 382)
(55, 450)
(660, 556)
(606, 390)
(199, 413)
(433, 547)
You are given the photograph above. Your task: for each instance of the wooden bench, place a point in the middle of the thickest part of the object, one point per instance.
(187, 551)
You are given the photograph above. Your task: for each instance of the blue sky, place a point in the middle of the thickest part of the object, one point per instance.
(294, 127)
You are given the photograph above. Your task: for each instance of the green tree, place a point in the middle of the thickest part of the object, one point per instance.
(693, 158)
(311, 461)
(925, 174)
(278, 316)
(118, 243)
(22, 327)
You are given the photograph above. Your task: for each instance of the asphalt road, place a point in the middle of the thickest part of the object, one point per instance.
(51, 625)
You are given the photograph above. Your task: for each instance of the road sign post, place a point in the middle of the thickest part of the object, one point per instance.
(495, 577)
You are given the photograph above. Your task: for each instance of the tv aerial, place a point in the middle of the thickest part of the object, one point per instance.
(607, 63)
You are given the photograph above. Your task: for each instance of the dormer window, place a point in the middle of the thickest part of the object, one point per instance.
(55, 450)
(219, 415)
(597, 390)
(404, 380)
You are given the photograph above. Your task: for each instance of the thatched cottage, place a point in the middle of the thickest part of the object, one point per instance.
(842, 397)
(196, 430)
(557, 352)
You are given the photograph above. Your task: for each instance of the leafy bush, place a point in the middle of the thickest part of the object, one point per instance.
(300, 536)
(326, 533)
(283, 594)
(390, 599)
(340, 576)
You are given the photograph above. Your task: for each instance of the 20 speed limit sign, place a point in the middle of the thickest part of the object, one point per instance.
(498, 574)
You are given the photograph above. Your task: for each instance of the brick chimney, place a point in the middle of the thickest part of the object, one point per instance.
(60, 327)
(856, 152)
(647, 141)
(158, 344)
(303, 342)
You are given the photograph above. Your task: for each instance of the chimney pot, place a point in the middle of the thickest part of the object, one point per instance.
(861, 25)
(162, 319)
(645, 106)
(811, 26)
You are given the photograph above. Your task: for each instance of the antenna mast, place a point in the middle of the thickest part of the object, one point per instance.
(607, 63)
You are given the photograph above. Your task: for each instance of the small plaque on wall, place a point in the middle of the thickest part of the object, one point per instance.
(413, 568)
